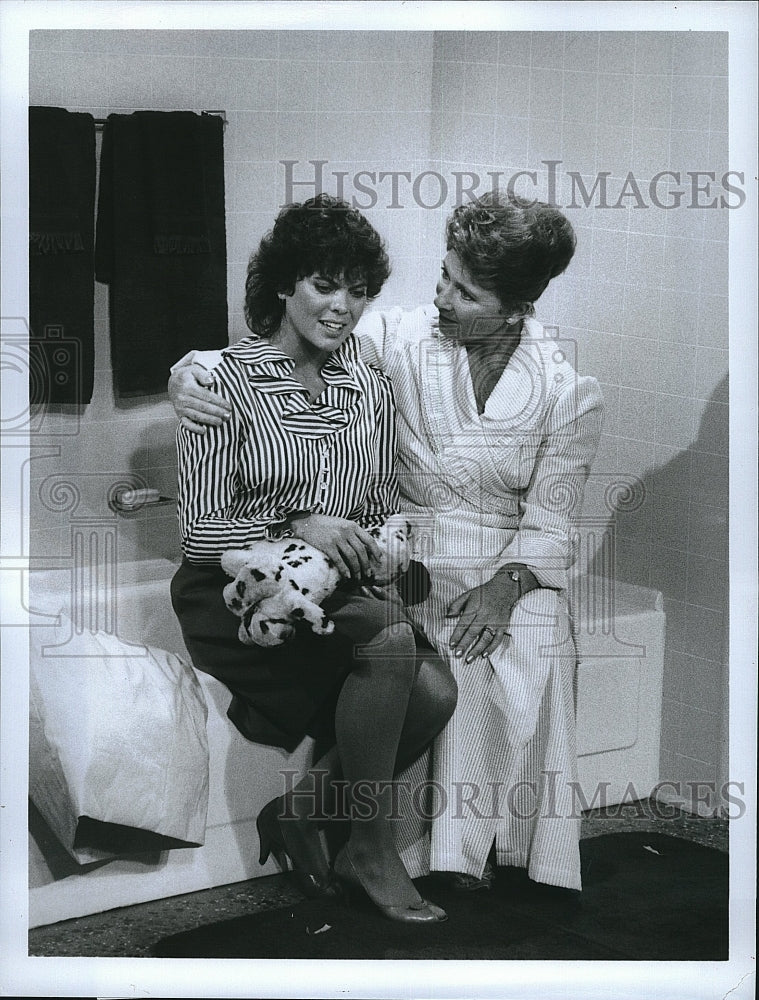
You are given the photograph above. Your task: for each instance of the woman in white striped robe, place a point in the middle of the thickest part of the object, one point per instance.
(497, 432)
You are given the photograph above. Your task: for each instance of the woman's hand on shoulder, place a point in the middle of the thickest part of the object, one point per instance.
(195, 405)
(350, 547)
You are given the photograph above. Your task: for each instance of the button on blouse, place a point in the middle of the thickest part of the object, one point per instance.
(281, 452)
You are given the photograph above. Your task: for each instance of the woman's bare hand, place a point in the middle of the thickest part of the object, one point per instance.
(484, 614)
(350, 547)
(196, 406)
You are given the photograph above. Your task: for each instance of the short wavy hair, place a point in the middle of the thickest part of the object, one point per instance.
(320, 236)
(511, 246)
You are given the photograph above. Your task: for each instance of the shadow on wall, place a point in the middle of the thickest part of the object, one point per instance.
(674, 538)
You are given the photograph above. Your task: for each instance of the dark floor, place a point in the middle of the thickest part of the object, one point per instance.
(130, 931)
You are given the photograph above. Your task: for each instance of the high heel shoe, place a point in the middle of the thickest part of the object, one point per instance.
(284, 839)
(422, 912)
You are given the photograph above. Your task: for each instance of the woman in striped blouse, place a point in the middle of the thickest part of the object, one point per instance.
(497, 432)
(310, 451)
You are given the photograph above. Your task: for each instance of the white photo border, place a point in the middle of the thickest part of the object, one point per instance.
(27, 976)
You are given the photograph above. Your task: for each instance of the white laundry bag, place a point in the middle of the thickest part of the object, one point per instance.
(118, 754)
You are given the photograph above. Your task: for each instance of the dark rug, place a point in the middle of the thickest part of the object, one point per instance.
(645, 896)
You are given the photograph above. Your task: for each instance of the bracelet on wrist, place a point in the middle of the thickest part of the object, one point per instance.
(277, 530)
(287, 527)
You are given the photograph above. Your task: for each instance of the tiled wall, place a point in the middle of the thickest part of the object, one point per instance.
(358, 101)
(645, 300)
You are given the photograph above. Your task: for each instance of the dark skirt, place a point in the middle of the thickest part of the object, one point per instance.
(282, 693)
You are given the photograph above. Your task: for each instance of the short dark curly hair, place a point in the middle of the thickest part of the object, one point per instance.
(320, 236)
(511, 246)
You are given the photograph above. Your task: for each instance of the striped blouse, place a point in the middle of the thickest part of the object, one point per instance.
(280, 453)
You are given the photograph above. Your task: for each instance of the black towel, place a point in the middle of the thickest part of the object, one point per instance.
(61, 238)
(161, 241)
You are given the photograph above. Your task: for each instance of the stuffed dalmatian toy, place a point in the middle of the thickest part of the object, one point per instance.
(278, 583)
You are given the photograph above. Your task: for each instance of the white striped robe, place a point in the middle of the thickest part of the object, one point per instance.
(485, 490)
(280, 453)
